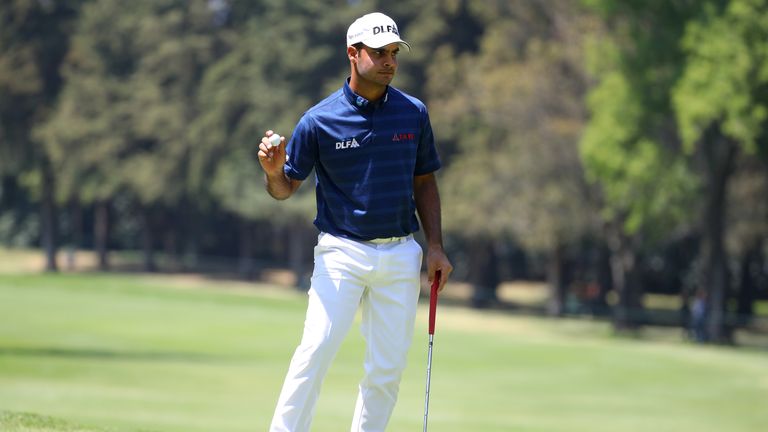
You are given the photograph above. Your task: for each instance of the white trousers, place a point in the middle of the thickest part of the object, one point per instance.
(383, 277)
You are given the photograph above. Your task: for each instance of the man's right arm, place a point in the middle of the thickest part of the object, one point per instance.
(280, 186)
(272, 160)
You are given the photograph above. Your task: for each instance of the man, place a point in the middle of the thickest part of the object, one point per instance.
(374, 157)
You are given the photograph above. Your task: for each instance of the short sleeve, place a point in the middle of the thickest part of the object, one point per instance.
(301, 150)
(427, 159)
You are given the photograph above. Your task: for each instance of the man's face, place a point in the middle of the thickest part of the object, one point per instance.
(378, 65)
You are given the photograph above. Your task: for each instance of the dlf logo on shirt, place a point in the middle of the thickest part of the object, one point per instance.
(345, 144)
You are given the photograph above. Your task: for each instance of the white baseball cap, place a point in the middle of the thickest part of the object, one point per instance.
(374, 30)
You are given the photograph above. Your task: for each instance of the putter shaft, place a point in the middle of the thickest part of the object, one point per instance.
(429, 376)
(432, 313)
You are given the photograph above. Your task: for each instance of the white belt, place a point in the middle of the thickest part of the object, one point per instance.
(386, 240)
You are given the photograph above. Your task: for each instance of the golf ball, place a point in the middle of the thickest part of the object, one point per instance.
(274, 140)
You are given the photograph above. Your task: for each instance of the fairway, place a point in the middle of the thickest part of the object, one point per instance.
(111, 352)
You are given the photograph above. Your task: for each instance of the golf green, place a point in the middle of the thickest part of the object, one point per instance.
(118, 352)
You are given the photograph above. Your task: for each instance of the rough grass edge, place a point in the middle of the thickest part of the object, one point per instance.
(28, 422)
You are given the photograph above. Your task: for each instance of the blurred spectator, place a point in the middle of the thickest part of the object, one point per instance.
(699, 316)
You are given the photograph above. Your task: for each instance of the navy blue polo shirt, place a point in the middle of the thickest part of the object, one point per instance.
(365, 155)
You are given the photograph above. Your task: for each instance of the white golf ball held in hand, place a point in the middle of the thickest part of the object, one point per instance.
(274, 140)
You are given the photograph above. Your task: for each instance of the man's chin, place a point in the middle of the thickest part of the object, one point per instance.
(379, 79)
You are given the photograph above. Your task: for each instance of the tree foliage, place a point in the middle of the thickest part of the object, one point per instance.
(512, 111)
(681, 90)
(33, 40)
(559, 123)
(629, 146)
(122, 122)
(725, 80)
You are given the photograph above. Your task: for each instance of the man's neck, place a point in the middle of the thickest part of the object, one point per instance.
(368, 90)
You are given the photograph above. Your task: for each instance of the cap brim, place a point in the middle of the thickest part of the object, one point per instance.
(378, 42)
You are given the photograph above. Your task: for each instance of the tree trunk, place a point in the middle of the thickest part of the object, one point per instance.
(148, 236)
(296, 254)
(262, 243)
(245, 265)
(191, 244)
(719, 154)
(628, 309)
(750, 271)
(101, 233)
(49, 218)
(170, 235)
(278, 249)
(557, 282)
(76, 228)
(604, 281)
(483, 271)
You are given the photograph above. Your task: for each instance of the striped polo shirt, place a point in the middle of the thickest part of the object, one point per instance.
(365, 155)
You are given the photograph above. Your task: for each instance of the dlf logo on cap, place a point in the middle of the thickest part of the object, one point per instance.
(374, 30)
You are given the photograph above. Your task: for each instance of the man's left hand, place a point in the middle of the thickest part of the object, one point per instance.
(437, 260)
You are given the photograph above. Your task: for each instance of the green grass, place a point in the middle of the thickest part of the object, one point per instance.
(35, 423)
(114, 353)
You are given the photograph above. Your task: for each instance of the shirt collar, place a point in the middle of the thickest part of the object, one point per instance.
(360, 102)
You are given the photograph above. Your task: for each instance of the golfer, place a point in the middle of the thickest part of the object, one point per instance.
(373, 152)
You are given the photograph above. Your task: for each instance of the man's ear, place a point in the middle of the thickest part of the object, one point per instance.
(351, 52)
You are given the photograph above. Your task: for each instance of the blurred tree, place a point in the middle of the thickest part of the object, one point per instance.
(629, 147)
(278, 59)
(122, 124)
(176, 46)
(682, 85)
(747, 222)
(721, 106)
(33, 41)
(428, 27)
(514, 114)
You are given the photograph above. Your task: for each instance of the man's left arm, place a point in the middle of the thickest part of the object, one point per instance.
(427, 198)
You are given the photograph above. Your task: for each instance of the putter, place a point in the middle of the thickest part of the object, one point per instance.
(432, 311)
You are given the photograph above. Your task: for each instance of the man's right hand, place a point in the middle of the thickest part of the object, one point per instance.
(272, 159)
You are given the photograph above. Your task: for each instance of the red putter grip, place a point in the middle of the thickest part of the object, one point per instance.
(433, 302)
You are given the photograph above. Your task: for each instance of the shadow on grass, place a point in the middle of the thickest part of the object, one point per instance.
(113, 355)
(28, 422)
(11, 421)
